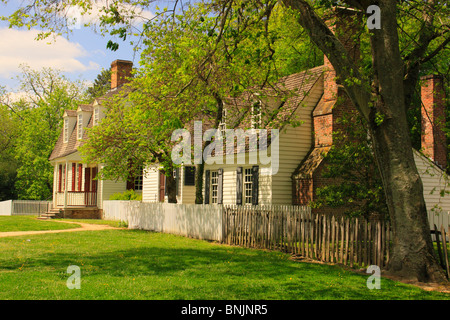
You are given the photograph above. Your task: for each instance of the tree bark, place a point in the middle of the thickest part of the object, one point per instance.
(413, 256)
(171, 185)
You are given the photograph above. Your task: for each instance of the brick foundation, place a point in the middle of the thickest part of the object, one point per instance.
(80, 213)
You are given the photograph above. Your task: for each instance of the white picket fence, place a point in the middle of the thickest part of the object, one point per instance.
(202, 221)
(439, 219)
(24, 207)
(190, 220)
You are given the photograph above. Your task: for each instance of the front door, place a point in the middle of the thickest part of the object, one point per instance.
(162, 186)
(90, 187)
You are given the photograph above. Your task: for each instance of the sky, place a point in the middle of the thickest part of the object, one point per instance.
(80, 55)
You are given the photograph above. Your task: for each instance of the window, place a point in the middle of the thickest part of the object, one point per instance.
(138, 182)
(223, 123)
(189, 176)
(66, 130)
(256, 115)
(248, 182)
(214, 186)
(80, 126)
(96, 116)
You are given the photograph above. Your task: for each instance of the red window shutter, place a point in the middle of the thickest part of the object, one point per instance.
(60, 178)
(80, 175)
(87, 179)
(74, 175)
(94, 182)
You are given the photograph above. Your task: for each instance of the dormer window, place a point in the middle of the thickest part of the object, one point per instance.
(223, 123)
(80, 126)
(256, 115)
(66, 130)
(96, 116)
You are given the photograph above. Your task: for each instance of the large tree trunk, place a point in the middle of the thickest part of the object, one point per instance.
(384, 109)
(413, 254)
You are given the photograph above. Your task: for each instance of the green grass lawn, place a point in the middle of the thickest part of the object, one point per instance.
(132, 264)
(31, 223)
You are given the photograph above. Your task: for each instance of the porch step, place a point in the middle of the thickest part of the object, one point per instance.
(49, 215)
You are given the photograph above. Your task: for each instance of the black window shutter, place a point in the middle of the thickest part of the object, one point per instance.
(189, 176)
(176, 174)
(255, 184)
(239, 185)
(207, 175)
(220, 186)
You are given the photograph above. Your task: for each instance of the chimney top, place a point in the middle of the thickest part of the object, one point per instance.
(120, 72)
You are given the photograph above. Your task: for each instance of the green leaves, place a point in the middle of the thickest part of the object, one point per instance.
(38, 118)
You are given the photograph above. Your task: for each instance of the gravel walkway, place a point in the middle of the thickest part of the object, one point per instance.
(83, 227)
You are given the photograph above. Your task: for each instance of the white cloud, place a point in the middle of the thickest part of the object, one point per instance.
(77, 17)
(20, 47)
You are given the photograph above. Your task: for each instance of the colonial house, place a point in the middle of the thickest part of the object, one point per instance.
(317, 102)
(76, 191)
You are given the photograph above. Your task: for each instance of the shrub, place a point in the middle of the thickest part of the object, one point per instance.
(126, 195)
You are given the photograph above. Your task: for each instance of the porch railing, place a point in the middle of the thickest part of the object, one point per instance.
(77, 198)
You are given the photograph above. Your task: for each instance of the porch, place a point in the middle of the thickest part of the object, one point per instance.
(75, 185)
(76, 199)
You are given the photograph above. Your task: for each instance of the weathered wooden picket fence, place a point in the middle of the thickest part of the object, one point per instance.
(294, 229)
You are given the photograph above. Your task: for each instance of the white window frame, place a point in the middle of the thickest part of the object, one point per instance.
(138, 182)
(256, 115)
(96, 116)
(248, 186)
(223, 123)
(80, 126)
(66, 130)
(214, 185)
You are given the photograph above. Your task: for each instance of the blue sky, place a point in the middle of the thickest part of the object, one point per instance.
(80, 55)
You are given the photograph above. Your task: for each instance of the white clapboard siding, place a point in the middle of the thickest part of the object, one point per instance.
(229, 180)
(435, 190)
(150, 183)
(106, 188)
(294, 145)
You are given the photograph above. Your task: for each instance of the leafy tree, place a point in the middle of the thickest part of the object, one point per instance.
(381, 91)
(8, 165)
(185, 76)
(354, 181)
(101, 84)
(38, 114)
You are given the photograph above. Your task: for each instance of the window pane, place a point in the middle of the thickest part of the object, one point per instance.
(248, 186)
(214, 186)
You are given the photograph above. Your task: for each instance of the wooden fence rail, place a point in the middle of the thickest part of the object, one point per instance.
(294, 229)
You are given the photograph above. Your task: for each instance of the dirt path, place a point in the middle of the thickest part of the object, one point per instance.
(83, 227)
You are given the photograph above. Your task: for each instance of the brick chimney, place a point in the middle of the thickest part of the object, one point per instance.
(120, 72)
(433, 119)
(345, 26)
